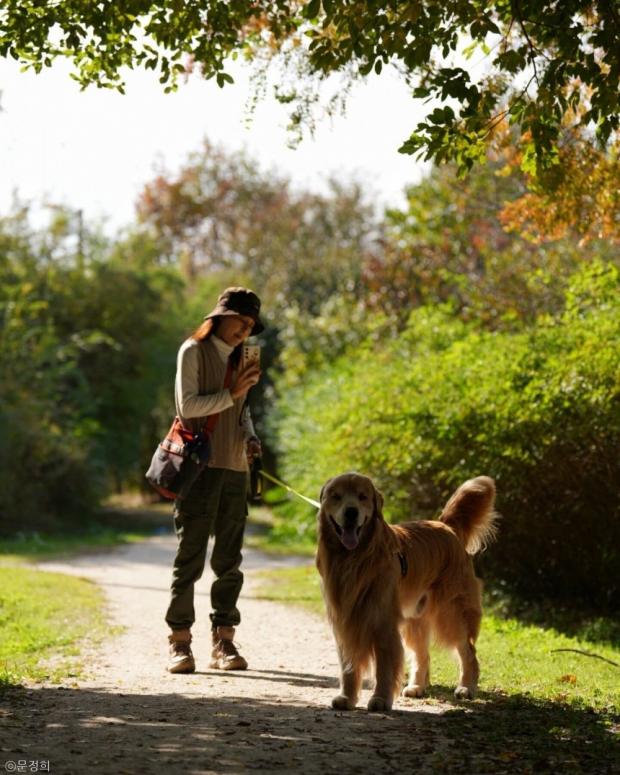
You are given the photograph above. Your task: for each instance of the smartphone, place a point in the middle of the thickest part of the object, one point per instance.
(251, 354)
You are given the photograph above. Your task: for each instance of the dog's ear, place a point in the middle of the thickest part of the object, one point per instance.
(378, 503)
(323, 490)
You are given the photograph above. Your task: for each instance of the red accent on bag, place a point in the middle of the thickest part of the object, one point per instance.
(173, 468)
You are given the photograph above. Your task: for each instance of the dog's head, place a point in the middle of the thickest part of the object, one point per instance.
(348, 504)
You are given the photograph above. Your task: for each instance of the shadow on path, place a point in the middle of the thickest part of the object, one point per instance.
(82, 731)
(281, 676)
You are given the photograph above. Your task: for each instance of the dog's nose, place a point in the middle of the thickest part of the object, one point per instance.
(351, 513)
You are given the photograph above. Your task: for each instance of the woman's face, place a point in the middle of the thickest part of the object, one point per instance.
(234, 329)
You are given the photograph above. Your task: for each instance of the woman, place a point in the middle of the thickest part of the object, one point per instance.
(210, 380)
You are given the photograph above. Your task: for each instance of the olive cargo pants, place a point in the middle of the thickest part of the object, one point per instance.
(217, 506)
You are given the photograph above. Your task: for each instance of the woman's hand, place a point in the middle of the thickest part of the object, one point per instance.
(245, 379)
(253, 449)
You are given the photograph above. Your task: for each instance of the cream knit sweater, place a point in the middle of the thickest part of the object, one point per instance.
(234, 426)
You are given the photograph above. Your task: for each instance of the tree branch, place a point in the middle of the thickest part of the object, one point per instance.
(533, 48)
(498, 117)
(589, 654)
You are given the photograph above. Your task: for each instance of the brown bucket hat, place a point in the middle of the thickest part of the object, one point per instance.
(238, 301)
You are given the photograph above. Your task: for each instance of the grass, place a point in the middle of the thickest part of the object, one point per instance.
(297, 586)
(518, 659)
(121, 523)
(34, 547)
(264, 534)
(44, 619)
(116, 525)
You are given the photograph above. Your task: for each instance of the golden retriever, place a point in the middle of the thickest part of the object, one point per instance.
(381, 582)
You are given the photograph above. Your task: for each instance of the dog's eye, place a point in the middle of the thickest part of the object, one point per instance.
(362, 497)
(336, 496)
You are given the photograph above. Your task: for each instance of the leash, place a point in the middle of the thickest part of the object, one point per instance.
(273, 479)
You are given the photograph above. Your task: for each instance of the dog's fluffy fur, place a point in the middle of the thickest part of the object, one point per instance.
(382, 582)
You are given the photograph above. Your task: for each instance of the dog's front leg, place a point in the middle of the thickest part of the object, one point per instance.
(350, 684)
(389, 658)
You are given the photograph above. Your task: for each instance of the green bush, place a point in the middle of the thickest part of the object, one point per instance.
(82, 358)
(539, 410)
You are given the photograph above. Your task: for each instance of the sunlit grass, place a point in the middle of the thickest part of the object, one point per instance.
(34, 547)
(44, 620)
(262, 534)
(299, 586)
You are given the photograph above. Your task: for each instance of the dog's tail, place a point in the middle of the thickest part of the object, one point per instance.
(469, 512)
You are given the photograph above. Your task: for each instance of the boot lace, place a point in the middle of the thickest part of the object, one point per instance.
(182, 647)
(228, 648)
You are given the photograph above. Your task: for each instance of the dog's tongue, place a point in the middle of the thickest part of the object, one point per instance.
(349, 537)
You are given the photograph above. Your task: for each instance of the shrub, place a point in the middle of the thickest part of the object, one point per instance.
(537, 409)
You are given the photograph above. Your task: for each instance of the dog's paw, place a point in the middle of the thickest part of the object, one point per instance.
(464, 693)
(342, 703)
(414, 691)
(378, 704)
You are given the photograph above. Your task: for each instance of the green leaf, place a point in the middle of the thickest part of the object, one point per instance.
(223, 78)
(311, 9)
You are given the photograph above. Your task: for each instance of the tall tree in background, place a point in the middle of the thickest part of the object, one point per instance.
(579, 197)
(219, 211)
(450, 244)
(84, 347)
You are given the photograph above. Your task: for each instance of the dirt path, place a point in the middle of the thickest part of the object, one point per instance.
(130, 716)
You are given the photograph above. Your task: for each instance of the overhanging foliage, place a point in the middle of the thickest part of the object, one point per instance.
(543, 63)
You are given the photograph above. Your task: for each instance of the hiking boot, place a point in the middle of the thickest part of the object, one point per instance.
(181, 657)
(225, 655)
